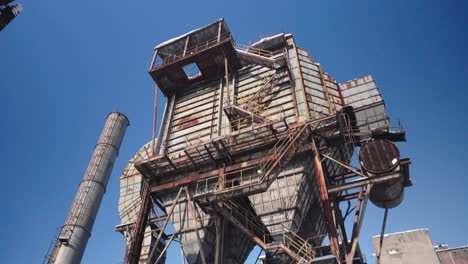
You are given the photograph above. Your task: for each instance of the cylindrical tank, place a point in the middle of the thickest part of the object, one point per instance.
(76, 231)
(378, 157)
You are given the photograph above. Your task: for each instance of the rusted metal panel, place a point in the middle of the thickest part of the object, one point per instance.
(453, 255)
(201, 138)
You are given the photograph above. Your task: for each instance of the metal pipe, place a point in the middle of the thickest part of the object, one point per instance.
(163, 228)
(357, 228)
(76, 231)
(382, 235)
(155, 116)
(226, 70)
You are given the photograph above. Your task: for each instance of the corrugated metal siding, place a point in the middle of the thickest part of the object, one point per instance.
(313, 83)
(278, 103)
(194, 119)
(130, 200)
(295, 70)
(294, 196)
(363, 94)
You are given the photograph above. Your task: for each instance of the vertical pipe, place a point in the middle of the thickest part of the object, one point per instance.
(226, 69)
(219, 30)
(153, 60)
(76, 231)
(155, 122)
(186, 45)
(382, 235)
(220, 108)
(357, 228)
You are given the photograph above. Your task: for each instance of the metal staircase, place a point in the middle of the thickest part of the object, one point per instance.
(255, 102)
(252, 107)
(256, 178)
(296, 247)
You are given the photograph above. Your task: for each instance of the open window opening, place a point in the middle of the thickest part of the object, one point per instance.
(191, 70)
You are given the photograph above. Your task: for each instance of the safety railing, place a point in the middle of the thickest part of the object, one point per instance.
(248, 220)
(291, 240)
(257, 51)
(300, 246)
(170, 58)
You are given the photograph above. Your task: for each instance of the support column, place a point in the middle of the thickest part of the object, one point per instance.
(226, 69)
(326, 204)
(155, 116)
(219, 248)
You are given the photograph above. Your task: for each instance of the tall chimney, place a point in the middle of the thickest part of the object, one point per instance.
(71, 243)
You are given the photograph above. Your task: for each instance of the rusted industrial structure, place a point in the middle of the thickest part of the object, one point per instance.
(254, 148)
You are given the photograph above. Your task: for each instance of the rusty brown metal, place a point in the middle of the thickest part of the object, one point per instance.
(341, 228)
(153, 60)
(199, 152)
(340, 93)
(168, 217)
(327, 210)
(325, 90)
(200, 176)
(132, 255)
(358, 220)
(382, 235)
(362, 182)
(347, 197)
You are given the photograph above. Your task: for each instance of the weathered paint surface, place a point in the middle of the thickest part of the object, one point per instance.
(76, 231)
(234, 120)
(413, 246)
(130, 202)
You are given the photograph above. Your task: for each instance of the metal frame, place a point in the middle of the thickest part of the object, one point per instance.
(218, 150)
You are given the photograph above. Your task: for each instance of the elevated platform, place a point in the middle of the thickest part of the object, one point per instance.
(206, 51)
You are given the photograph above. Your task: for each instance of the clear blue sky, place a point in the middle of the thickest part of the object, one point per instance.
(65, 64)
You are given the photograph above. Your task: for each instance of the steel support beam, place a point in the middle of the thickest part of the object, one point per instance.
(362, 182)
(358, 220)
(132, 255)
(226, 69)
(171, 210)
(219, 247)
(155, 117)
(326, 204)
(382, 235)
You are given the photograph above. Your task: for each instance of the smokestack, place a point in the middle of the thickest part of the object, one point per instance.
(71, 243)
